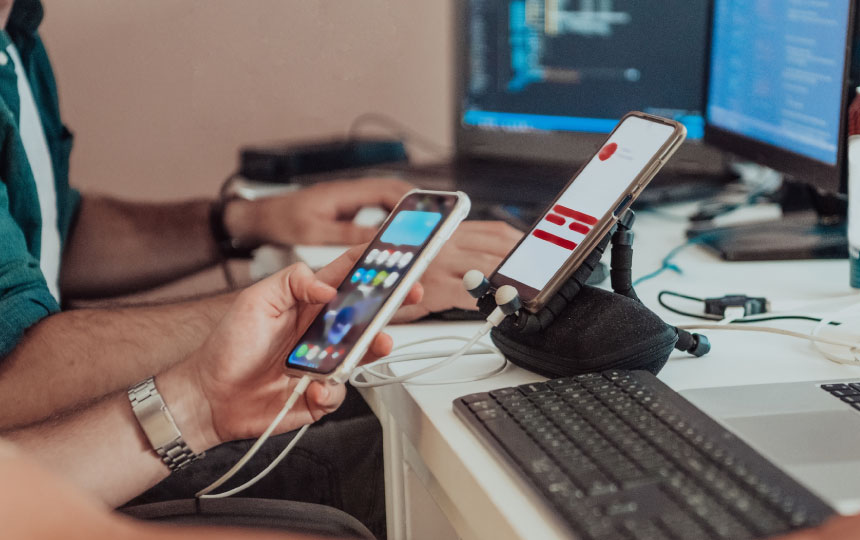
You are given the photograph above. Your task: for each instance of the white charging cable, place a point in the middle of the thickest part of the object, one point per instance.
(508, 302)
(291, 401)
(814, 339)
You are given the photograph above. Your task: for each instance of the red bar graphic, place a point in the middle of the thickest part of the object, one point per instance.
(553, 239)
(552, 218)
(579, 227)
(579, 216)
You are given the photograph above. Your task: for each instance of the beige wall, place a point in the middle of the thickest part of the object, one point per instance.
(161, 93)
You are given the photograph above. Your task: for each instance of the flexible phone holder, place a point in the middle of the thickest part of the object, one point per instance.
(583, 328)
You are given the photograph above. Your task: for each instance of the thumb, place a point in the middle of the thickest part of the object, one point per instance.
(296, 283)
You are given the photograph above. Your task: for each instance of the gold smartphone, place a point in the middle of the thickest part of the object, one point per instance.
(588, 207)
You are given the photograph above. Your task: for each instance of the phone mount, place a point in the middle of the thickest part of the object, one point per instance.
(583, 329)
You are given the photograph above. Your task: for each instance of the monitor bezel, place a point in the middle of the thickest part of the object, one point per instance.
(822, 175)
(564, 147)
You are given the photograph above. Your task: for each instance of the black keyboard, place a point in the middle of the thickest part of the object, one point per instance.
(849, 392)
(619, 454)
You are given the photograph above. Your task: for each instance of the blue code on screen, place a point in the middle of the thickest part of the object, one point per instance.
(410, 228)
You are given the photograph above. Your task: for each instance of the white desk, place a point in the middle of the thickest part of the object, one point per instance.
(442, 482)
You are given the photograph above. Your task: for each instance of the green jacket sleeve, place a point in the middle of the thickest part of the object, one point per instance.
(24, 295)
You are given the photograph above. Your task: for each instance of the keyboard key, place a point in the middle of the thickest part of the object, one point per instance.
(832, 387)
(528, 389)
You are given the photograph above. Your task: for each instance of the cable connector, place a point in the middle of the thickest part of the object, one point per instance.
(752, 305)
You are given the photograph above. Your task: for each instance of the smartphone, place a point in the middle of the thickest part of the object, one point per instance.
(588, 207)
(395, 259)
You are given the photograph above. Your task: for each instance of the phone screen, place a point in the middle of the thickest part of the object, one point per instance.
(585, 201)
(371, 282)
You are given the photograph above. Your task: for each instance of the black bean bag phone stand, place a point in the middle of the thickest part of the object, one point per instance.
(585, 329)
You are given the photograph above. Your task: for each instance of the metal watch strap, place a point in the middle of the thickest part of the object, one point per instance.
(158, 425)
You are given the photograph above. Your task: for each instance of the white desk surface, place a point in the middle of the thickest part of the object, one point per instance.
(478, 494)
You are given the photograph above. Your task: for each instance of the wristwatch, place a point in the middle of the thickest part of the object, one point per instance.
(158, 425)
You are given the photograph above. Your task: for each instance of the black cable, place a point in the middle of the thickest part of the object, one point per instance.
(401, 130)
(739, 321)
(685, 313)
(784, 317)
(223, 192)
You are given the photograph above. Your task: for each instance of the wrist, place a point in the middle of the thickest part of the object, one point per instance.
(240, 222)
(183, 395)
(232, 225)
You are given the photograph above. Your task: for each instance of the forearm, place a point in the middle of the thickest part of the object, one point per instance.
(117, 247)
(80, 355)
(102, 449)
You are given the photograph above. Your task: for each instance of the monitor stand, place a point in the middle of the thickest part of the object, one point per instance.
(813, 226)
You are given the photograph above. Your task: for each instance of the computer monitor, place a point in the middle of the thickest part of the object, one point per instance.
(546, 80)
(778, 91)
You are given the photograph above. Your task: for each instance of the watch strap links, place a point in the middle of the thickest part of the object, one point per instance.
(158, 425)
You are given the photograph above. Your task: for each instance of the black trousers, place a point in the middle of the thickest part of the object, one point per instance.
(337, 463)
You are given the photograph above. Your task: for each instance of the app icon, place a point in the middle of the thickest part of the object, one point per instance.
(368, 276)
(380, 277)
(342, 324)
(392, 279)
(301, 351)
(394, 258)
(313, 352)
(406, 259)
(356, 277)
(383, 257)
(325, 352)
(336, 354)
(371, 256)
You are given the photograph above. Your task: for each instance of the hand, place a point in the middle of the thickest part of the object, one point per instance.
(476, 244)
(237, 380)
(319, 214)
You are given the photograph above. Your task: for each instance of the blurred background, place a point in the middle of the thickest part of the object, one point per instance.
(161, 94)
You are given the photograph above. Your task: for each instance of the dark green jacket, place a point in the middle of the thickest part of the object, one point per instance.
(24, 295)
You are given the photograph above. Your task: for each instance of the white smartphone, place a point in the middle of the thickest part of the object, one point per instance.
(588, 207)
(408, 240)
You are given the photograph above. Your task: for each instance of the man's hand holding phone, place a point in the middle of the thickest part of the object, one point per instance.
(237, 376)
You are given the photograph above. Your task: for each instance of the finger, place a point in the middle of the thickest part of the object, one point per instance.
(343, 232)
(410, 313)
(496, 238)
(335, 272)
(379, 347)
(415, 295)
(303, 285)
(281, 291)
(323, 398)
(385, 192)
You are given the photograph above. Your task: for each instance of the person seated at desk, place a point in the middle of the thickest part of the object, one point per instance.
(229, 388)
(57, 245)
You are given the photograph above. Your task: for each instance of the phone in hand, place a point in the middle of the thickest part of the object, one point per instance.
(588, 207)
(374, 289)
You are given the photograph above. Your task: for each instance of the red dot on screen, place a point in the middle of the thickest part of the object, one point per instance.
(607, 151)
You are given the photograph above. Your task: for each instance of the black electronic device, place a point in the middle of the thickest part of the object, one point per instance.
(583, 329)
(619, 454)
(539, 85)
(281, 163)
(770, 102)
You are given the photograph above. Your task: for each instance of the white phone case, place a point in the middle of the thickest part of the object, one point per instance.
(386, 312)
